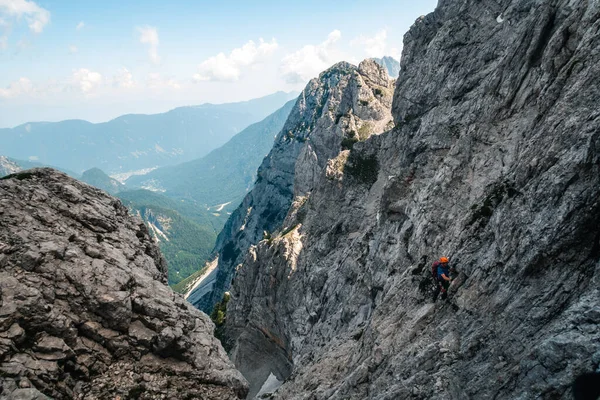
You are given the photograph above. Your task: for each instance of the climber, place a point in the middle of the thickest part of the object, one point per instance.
(441, 274)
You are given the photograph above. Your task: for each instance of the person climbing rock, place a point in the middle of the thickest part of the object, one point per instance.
(441, 273)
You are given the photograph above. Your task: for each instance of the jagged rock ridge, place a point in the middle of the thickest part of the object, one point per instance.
(391, 65)
(84, 307)
(346, 104)
(495, 162)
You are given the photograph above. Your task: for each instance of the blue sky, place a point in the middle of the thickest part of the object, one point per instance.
(97, 60)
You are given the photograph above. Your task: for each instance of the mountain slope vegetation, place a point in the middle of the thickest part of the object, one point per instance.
(226, 174)
(98, 178)
(185, 233)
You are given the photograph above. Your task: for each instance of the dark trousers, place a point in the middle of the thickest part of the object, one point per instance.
(442, 286)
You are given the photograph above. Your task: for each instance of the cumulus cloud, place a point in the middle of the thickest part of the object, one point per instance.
(80, 26)
(85, 80)
(123, 79)
(377, 46)
(307, 62)
(156, 81)
(149, 36)
(229, 68)
(396, 52)
(374, 46)
(37, 17)
(22, 86)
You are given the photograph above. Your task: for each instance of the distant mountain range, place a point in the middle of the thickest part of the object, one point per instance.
(223, 177)
(133, 142)
(390, 64)
(192, 205)
(10, 165)
(187, 217)
(98, 178)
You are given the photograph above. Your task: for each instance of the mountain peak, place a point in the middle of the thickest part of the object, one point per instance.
(391, 65)
(341, 108)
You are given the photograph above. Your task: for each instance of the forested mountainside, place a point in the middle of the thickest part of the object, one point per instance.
(98, 178)
(185, 232)
(493, 161)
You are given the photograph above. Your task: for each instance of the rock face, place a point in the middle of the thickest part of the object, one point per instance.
(346, 104)
(494, 161)
(390, 64)
(84, 308)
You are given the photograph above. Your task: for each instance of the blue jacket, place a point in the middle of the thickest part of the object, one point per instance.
(443, 271)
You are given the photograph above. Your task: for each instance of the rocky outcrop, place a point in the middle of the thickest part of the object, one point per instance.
(84, 307)
(494, 161)
(391, 65)
(346, 104)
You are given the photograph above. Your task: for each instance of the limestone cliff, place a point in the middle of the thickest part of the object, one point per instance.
(344, 105)
(85, 311)
(494, 161)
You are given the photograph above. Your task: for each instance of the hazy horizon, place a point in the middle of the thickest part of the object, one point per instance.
(150, 113)
(79, 60)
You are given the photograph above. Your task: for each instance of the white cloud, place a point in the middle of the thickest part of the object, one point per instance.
(22, 86)
(80, 26)
(377, 46)
(310, 60)
(396, 52)
(85, 80)
(156, 81)
(229, 68)
(73, 49)
(374, 46)
(124, 79)
(149, 36)
(37, 17)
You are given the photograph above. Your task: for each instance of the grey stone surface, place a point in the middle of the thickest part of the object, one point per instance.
(345, 103)
(85, 311)
(494, 161)
(391, 65)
